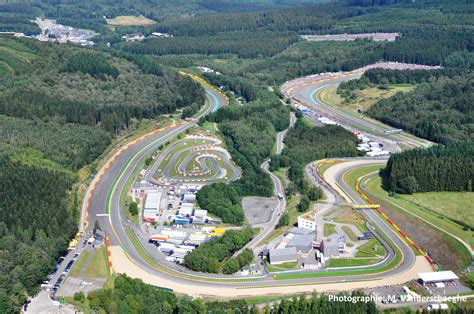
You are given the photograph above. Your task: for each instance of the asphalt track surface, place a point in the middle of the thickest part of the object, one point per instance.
(204, 175)
(121, 169)
(114, 180)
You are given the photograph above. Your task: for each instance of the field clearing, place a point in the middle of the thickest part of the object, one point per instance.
(129, 20)
(451, 204)
(98, 265)
(372, 248)
(329, 229)
(14, 57)
(365, 98)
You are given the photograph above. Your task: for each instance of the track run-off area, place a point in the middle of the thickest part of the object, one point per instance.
(102, 203)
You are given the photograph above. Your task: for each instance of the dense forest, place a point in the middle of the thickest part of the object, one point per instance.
(71, 145)
(434, 32)
(35, 224)
(133, 296)
(91, 88)
(439, 168)
(213, 256)
(60, 108)
(249, 132)
(243, 44)
(305, 143)
(440, 110)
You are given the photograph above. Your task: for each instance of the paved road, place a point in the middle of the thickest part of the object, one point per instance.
(113, 181)
(278, 189)
(281, 135)
(194, 286)
(119, 237)
(205, 170)
(307, 94)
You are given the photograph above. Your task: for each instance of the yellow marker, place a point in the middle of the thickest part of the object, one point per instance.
(366, 206)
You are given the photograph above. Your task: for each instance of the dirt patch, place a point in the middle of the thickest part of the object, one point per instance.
(258, 209)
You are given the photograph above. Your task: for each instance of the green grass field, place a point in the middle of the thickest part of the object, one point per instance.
(281, 267)
(454, 205)
(14, 57)
(98, 265)
(348, 262)
(76, 269)
(366, 98)
(372, 248)
(374, 186)
(329, 229)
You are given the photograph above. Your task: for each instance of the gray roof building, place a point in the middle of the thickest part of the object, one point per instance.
(333, 245)
(303, 243)
(280, 256)
(297, 230)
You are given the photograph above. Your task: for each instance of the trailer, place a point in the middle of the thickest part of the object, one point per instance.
(173, 233)
(166, 247)
(182, 221)
(158, 237)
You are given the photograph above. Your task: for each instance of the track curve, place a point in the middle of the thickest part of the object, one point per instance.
(105, 200)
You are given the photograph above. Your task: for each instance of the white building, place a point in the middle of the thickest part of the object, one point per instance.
(152, 205)
(307, 221)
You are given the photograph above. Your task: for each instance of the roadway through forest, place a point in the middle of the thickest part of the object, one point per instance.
(104, 206)
(125, 258)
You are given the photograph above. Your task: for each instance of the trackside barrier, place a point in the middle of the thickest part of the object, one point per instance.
(404, 235)
(109, 255)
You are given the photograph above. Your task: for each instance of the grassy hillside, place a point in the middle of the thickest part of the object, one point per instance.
(15, 57)
(454, 205)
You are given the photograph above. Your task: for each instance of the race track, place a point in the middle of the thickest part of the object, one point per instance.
(105, 201)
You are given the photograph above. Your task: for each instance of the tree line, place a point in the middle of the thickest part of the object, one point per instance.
(213, 256)
(240, 86)
(305, 143)
(243, 44)
(133, 296)
(249, 132)
(439, 111)
(439, 168)
(35, 226)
